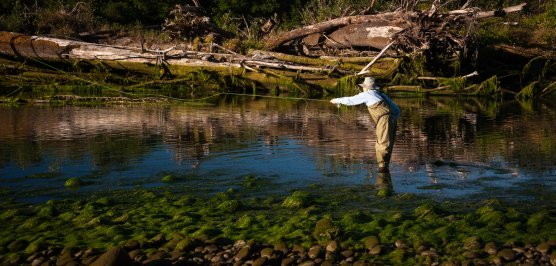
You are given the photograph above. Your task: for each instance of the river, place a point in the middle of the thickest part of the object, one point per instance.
(446, 148)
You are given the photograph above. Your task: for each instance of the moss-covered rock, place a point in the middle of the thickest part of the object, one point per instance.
(297, 200)
(8, 214)
(325, 230)
(35, 246)
(536, 220)
(229, 206)
(168, 179)
(472, 243)
(18, 245)
(371, 242)
(73, 182)
(491, 217)
(184, 244)
(47, 211)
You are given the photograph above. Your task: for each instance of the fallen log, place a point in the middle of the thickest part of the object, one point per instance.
(504, 11)
(52, 49)
(348, 64)
(472, 74)
(376, 31)
(168, 64)
(379, 19)
(370, 35)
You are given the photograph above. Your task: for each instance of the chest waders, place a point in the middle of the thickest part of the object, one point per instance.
(386, 123)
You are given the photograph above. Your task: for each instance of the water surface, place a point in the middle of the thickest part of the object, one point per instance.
(446, 147)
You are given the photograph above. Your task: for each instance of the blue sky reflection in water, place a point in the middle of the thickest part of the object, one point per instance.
(446, 148)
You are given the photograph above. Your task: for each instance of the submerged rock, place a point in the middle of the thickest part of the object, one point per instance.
(297, 200)
(168, 179)
(73, 182)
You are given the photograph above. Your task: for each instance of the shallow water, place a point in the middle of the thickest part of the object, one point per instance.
(446, 147)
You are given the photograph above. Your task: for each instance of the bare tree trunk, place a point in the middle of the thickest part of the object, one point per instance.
(275, 42)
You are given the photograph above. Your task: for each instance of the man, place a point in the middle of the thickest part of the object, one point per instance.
(384, 114)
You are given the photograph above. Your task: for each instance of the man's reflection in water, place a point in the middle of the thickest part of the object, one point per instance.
(384, 184)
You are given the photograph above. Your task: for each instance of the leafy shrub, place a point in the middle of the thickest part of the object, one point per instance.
(60, 20)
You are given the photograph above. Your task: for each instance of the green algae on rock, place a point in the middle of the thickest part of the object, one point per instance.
(185, 217)
(73, 182)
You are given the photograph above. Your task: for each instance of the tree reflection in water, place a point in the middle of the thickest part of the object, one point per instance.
(442, 142)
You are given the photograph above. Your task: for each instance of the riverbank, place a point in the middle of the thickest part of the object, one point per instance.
(236, 224)
(90, 69)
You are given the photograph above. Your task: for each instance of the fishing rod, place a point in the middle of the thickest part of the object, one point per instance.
(271, 96)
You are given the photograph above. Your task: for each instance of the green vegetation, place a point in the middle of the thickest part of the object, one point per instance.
(168, 179)
(73, 182)
(535, 29)
(243, 18)
(238, 26)
(102, 221)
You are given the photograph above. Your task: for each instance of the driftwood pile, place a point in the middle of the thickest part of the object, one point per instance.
(186, 22)
(410, 32)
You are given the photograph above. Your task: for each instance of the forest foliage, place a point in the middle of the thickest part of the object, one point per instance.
(69, 17)
(243, 19)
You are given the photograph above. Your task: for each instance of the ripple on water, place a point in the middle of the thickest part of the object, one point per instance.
(446, 148)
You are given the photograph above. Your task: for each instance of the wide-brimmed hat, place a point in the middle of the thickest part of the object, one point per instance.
(369, 83)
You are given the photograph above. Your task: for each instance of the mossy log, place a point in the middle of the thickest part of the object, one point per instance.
(288, 71)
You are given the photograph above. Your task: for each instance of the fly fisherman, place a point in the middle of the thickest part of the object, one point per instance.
(384, 114)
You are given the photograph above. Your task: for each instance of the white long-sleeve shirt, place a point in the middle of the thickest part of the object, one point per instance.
(369, 98)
